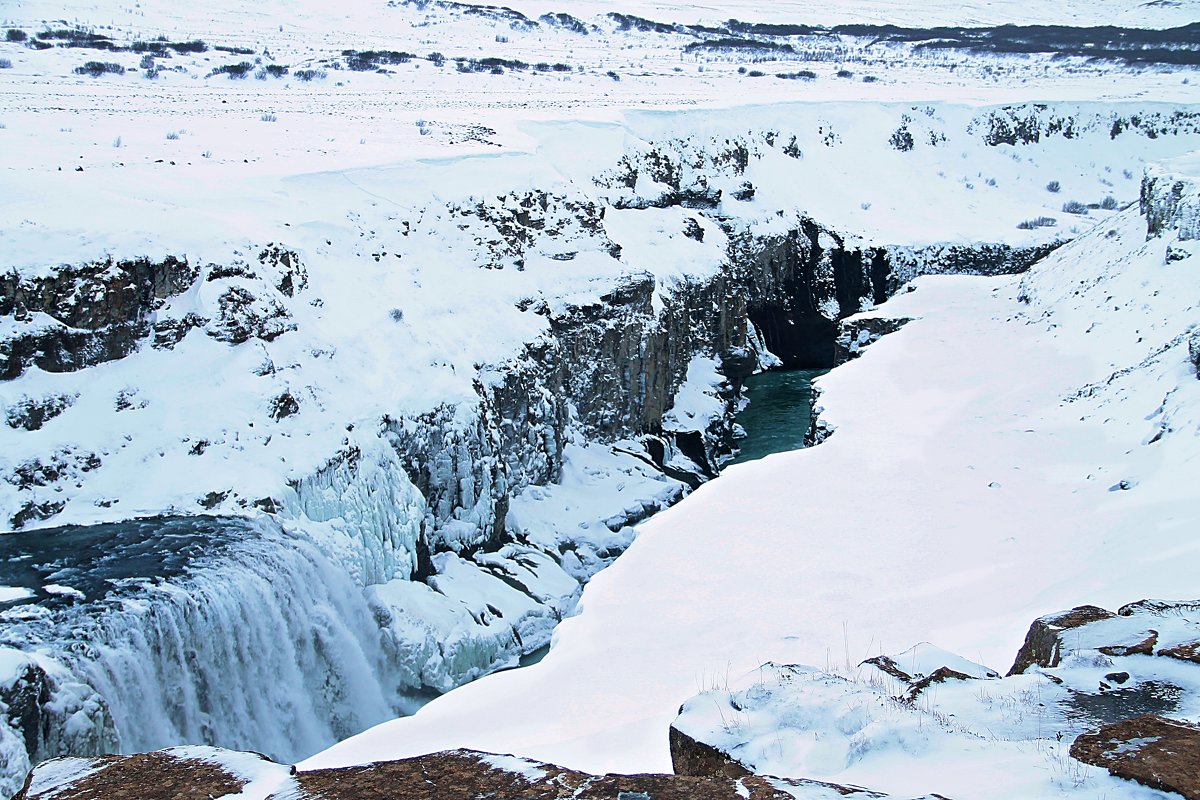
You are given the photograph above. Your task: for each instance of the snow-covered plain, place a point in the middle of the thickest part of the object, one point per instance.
(932, 514)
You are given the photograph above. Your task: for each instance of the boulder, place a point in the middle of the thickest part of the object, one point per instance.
(1043, 646)
(1161, 753)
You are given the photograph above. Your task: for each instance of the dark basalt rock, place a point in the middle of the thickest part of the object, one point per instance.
(1194, 351)
(855, 334)
(244, 316)
(31, 413)
(1161, 753)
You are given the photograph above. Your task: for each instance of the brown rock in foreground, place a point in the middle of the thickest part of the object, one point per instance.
(201, 773)
(161, 775)
(1151, 750)
(1042, 645)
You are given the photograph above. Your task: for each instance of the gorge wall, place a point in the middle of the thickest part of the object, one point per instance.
(438, 579)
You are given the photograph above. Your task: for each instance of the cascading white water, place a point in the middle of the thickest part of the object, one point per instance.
(249, 637)
(272, 649)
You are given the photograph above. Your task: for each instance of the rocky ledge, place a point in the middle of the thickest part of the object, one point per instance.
(201, 773)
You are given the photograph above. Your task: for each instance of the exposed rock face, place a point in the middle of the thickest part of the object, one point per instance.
(1194, 350)
(202, 773)
(160, 775)
(1170, 202)
(100, 310)
(1147, 627)
(36, 704)
(856, 333)
(1042, 643)
(692, 757)
(1160, 753)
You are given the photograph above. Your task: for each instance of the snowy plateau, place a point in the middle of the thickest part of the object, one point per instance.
(369, 373)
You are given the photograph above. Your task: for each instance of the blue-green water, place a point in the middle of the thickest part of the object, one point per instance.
(778, 415)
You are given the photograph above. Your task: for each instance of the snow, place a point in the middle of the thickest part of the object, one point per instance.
(262, 777)
(12, 664)
(696, 403)
(1051, 389)
(9, 594)
(62, 772)
(64, 591)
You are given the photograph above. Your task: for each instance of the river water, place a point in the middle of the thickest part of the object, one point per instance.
(778, 414)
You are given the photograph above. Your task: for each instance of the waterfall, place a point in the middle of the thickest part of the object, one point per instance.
(258, 642)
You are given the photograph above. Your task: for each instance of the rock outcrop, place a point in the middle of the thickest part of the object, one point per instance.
(1043, 645)
(1160, 753)
(200, 773)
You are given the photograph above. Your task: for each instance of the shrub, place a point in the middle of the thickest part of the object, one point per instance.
(1054, 186)
(276, 70)
(1074, 207)
(268, 117)
(396, 314)
(147, 62)
(172, 135)
(15, 35)
(902, 139)
(1109, 203)
(235, 71)
(801, 75)
(845, 73)
(98, 68)
(310, 74)
(194, 46)
(613, 75)
(435, 58)
(755, 73)
(1037, 222)
(869, 79)
(5, 63)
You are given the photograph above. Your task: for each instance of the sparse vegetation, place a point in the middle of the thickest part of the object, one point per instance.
(98, 68)
(902, 139)
(235, 71)
(369, 60)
